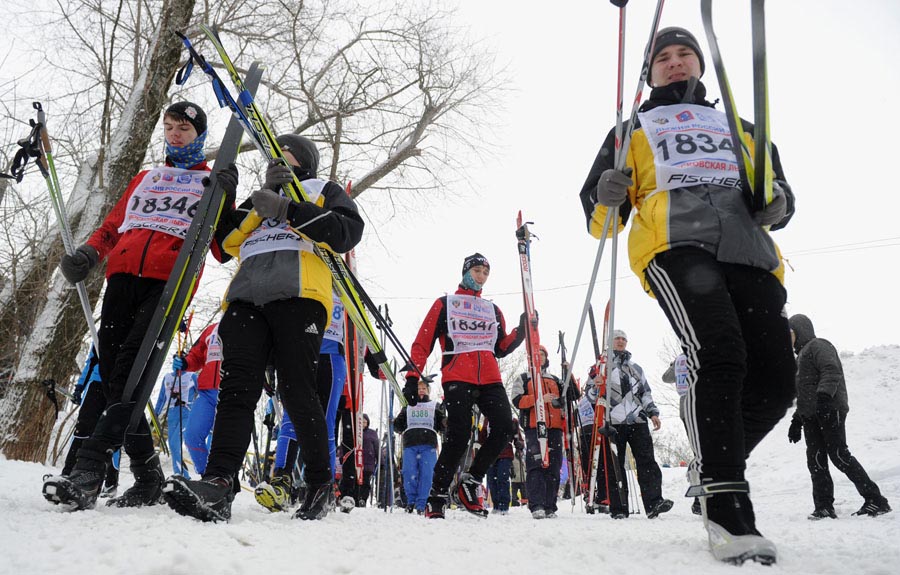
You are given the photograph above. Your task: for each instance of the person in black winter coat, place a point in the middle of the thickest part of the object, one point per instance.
(822, 408)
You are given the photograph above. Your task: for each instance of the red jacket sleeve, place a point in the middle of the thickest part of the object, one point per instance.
(196, 357)
(424, 342)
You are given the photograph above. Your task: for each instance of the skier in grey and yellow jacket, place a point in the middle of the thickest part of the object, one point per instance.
(715, 271)
(279, 303)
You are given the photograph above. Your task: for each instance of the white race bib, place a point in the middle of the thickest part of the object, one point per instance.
(586, 411)
(214, 346)
(165, 201)
(272, 236)
(471, 324)
(691, 145)
(421, 416)
(335, 331)
(681, 374)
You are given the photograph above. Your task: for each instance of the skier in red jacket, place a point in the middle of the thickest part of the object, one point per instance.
(472, 334)
(140, 239)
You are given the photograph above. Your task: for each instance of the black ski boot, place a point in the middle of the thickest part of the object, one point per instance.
(111, 485)
(731, 524)
(874, 506)
(147, 488)
(207, 500)
(661, 506)
(434, 508)
(80, 489)
(318, 502)
(822, 513)
(471, 495)
(696, 509)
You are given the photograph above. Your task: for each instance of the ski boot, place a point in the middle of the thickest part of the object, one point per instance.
(274, 496)
(347, 504)
(822, 513)
(538, 513)
(434, 508)
(696, 509)
(318, 502)
(731, 524)
(147, 488)
(80, 489)
(661, 506)
(874, 506)
(207, 500)
(471, 495)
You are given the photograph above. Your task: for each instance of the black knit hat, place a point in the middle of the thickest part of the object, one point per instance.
(674, 35)
(303, 149)
(473, 260)
(188, 112)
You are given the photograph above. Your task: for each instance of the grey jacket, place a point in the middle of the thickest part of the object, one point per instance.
(630, 397)
(819, 369)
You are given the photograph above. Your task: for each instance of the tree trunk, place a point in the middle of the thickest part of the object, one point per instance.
(43, 326)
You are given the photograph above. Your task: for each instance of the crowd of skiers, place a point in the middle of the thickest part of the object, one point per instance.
(698, 249)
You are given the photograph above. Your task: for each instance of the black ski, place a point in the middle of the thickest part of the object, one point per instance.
(180, 287)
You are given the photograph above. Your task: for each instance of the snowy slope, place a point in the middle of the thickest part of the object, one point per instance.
(36, 537)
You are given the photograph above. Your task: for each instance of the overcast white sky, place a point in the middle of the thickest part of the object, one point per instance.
(831, 70)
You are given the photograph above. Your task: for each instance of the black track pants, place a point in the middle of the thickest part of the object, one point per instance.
(732, 326)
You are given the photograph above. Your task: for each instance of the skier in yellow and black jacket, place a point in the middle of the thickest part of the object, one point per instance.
(279, 303)
(715, 271)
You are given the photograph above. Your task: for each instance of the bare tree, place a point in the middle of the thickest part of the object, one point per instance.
(393, 94)
(42, 325)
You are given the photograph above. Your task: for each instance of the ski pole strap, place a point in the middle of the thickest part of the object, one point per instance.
(714, 488)
(185, 72)
(50, 385)
(30, 148)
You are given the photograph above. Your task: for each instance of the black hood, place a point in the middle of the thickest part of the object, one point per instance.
(803, 330)
(304, 150)
(675, 93)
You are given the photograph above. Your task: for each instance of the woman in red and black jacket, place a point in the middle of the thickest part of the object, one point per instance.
(472, 335)
(140, 239)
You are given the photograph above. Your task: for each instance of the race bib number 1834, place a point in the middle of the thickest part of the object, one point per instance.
(691, 146)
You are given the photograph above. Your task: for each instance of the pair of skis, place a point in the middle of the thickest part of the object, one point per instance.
(532, 338)
(354, 350)
(356, 301)
(756, 173)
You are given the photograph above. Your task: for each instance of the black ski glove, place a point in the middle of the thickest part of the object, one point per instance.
(612, 189)
(794, 431)
(411, 389)
(76, 393)
(269, 204)
(75, 267)
(372, 364)
(228, 179)
(523, 320)
(277, 174)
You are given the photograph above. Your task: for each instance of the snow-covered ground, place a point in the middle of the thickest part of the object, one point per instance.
(36, 537)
